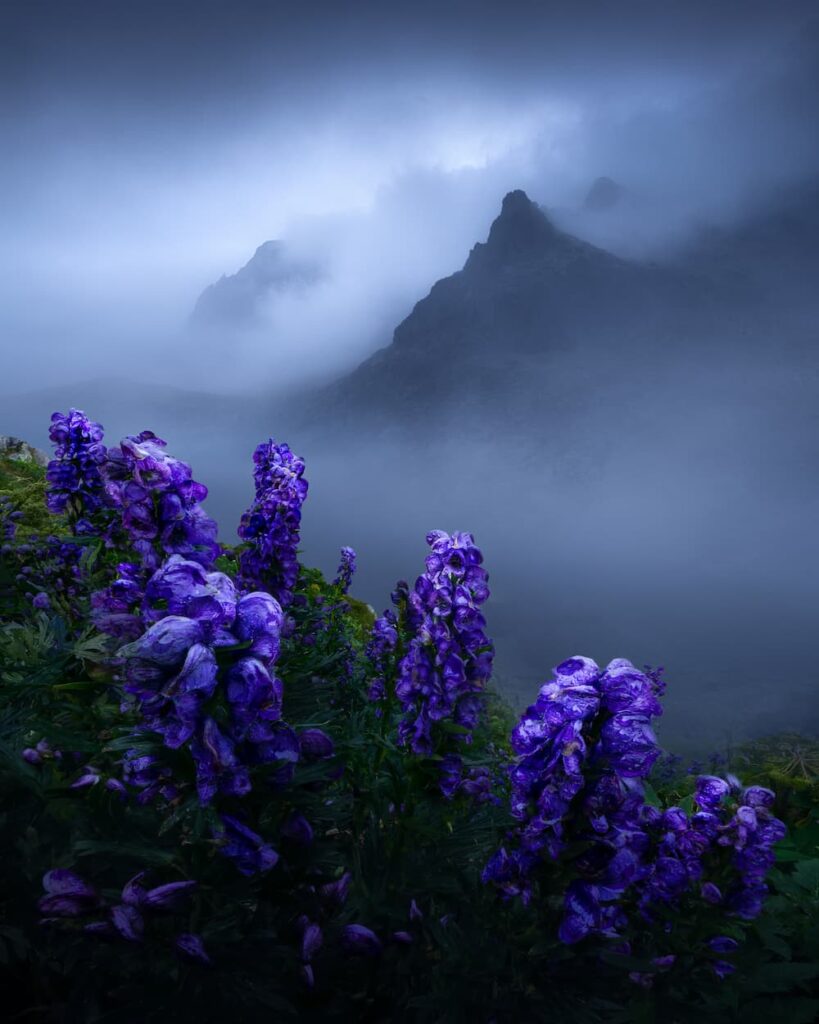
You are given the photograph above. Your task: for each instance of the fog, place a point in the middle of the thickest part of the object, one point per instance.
(666, 516)
(149, 149)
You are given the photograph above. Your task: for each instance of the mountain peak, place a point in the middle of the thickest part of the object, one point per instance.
(516, 200)
(521, 232)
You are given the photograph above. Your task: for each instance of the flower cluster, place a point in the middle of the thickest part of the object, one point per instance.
(271, 525)
(346, 569)
(750, 834)
(69, 897)
(380, 652)
(159, 502)
(584, 750)
(227, 716)
(554, 740)
(74, 474)
(40, 753)
(449, 658)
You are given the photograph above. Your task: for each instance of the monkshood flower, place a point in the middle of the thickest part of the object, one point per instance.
(346, 569)
(159, 502)
(67, 895)
(40, 753)
(173, 677)
(218, 768)
(360, 940)
(449, 658)
(75, 486)
(145, 773)
(315, 744)
(582, 749)
(271, 525)
(750, 834)
(226, 715)
(381, 650)
(248, 851)
(191, 947)
(334, 894)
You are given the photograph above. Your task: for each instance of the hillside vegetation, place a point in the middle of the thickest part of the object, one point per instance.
(229, 787)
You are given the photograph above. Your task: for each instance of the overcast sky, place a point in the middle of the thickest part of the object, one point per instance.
(149, 147)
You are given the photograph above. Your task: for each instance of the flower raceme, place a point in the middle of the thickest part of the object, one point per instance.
(270, 527)
(75, 485)
(346, 569)
(448, 659)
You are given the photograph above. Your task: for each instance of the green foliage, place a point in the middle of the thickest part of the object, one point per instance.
(25, 484)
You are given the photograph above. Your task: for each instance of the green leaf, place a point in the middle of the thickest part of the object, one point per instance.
(651, 795)
(133, 851)
(806, 876)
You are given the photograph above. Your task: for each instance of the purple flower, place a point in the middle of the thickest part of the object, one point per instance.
(629, 743)
(582, 913)
(449, 658)
(167, 642)
(67, 895)
(171, 896)
(255, 698)
(758, 796)
(360, 940)
(334, 894)
(723, 944)
(90, 777)
(40, 753)
(311, 942)
(191, 947)
(74, 482)
(218, 769)
(158, 502)
(346, 569)
(128, 922)
(315, 744)
(722, 968)
(297, 829)
(249, 852)
(41, 601)
(710, 791)
(451, 775)
(710, 893)
(259, 618)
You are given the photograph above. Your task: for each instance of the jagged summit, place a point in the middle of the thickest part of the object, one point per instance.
(520, 232)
